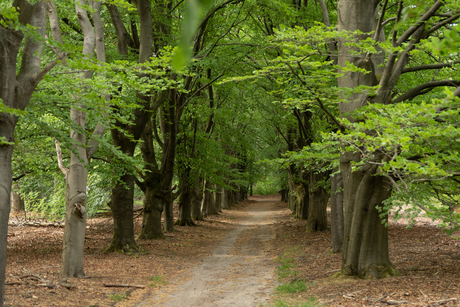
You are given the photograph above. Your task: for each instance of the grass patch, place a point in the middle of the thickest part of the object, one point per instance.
(157, 280)
(295, 286)
(287, 291)
(118, 296)
(285, 269)
(310, 302)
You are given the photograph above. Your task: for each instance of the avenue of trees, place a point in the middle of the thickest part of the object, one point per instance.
(348, 102)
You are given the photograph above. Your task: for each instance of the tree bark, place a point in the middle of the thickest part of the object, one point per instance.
(218, 198)
(122, 201)
(318, 197)
(197, 198)
(209, 207)
(292, 199)
(185, 208)
(159, 179)
(337, 226)
(365, 248)
(302, 205)
(225, 202)
(168, 222)
(17, 204)
(122, 210)
(15, 92)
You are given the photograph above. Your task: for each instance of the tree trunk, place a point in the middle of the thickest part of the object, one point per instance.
(153, 207)
(292, 199)
(284, 195)
(365, 248)
(77, 174)
(122, 201)
(168, 221)
(75, 220)
(225, 202)
(185, 208)
(318, 197)
(15, 92)
(197, 198)
(6, 152)
(303, 202)
(122, 210)
(208, 200)
(218, 198)
(336, 213)
(17, 204)
(159, 178)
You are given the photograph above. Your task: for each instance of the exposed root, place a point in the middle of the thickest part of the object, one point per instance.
(125, 249)
(146, 236)
(185, 223)
(372, 272)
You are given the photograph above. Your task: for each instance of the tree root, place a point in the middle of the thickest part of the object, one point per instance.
(184, 223)
(372, 272)
(126, 249)
(145, 236)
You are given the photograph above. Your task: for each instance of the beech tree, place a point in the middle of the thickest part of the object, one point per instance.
(365, 249)
(15, 91)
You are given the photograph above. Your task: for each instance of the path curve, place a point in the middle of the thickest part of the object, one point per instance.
(239, 272)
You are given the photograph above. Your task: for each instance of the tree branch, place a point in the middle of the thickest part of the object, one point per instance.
(441, 24)
(63, 169)
(380, 21)
(428, 67)
(416, 91)
(428, 14)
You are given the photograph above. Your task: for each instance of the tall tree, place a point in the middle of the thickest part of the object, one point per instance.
(365, 248)
(16, 89)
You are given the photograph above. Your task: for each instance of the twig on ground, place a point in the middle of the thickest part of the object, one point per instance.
(123, 286)
(442, 302)
(394, 302)
(422, 293)
(381, 298)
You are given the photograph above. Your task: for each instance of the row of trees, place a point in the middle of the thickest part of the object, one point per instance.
(168, 99)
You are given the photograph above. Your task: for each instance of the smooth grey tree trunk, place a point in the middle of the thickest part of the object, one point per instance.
(365, 248)
(15, 92)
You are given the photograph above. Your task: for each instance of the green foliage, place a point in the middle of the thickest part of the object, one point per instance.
(117, 297)
(295, 286)
(157, 280)
(415, 148)
(311, 302)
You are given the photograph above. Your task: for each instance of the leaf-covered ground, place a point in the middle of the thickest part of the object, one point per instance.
(428, 260)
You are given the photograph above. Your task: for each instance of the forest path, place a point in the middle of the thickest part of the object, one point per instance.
(239, 272)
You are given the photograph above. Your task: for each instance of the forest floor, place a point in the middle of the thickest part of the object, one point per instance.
(257, 250)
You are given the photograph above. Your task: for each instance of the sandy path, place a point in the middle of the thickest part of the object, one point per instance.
(238, 273)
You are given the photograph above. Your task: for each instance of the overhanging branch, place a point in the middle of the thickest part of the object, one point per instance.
(419, 90)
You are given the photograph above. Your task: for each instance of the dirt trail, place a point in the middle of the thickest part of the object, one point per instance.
(240, 272)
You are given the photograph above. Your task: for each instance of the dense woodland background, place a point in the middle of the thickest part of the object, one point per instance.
(119, 104)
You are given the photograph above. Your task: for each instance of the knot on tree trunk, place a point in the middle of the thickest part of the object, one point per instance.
(79, 210)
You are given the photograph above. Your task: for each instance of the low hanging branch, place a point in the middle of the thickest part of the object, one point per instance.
(59, 157)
